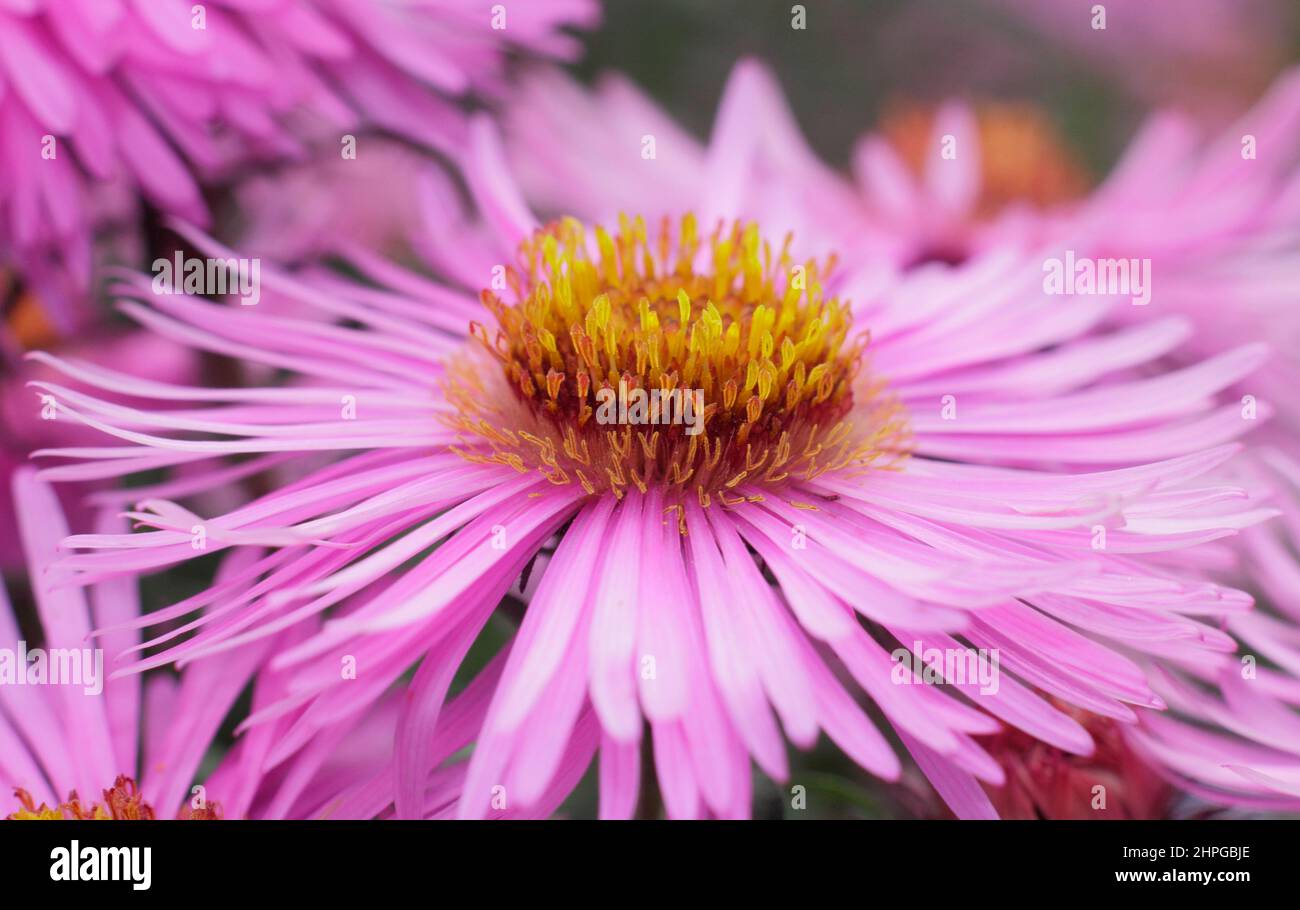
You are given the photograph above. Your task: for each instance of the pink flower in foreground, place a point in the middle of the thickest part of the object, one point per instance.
(994, 476)
(160, 95)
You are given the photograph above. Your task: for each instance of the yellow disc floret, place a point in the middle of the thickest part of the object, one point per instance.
(702, 365)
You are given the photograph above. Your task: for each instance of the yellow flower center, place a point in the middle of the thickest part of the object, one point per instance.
(702, 366)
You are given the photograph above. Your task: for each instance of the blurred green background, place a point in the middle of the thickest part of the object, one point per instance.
(855, 57)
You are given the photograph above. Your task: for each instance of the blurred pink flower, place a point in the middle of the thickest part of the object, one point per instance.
(159, 96)
(1218, 218)
(1044, 782)
(372, 201)
(941, 186)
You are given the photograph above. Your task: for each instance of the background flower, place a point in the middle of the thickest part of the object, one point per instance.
(132, 746)
(160, 98)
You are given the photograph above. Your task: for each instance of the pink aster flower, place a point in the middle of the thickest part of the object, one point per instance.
(65, 740)
(157, 96)
(997, 478)
(75, 740)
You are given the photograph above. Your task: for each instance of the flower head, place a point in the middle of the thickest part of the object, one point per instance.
(1043, 781)
(77, 742)
(942, 184)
